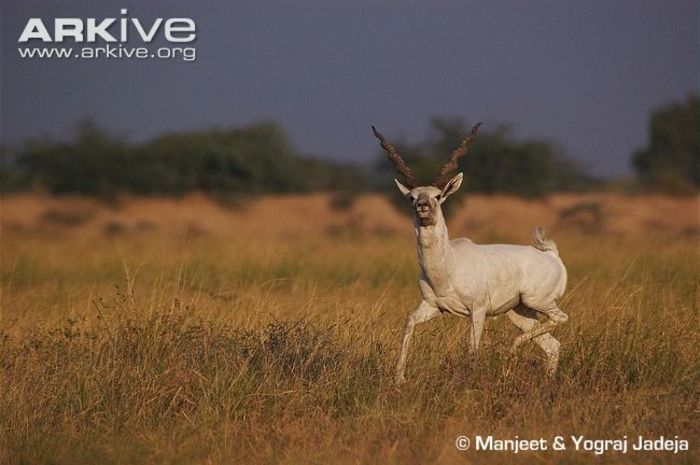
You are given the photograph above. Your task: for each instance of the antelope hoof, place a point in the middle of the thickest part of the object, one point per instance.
(514, 347)
(557, 316)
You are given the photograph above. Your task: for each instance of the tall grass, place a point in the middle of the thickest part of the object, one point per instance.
(156, 348)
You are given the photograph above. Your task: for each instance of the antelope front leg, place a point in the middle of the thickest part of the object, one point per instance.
(423, 313)
(478, 318)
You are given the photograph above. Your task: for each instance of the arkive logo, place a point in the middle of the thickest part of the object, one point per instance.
(114, 33)
(88, 30)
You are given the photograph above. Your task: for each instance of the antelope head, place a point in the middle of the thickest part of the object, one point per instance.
(427, 199)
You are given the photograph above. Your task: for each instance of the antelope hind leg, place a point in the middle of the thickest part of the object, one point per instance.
(526, 319)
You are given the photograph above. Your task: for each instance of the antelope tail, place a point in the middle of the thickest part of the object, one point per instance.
(542, 242)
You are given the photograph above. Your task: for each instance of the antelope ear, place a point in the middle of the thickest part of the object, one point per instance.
(404, 190)
(451, 187)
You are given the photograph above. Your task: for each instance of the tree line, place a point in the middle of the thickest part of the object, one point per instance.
(253, 160)
(260, 159)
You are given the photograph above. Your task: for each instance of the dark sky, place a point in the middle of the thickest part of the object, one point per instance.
(584, 74)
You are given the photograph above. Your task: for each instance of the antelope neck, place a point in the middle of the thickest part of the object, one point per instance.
(434, 252)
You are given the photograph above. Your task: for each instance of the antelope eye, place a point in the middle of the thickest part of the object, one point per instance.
(438, 197)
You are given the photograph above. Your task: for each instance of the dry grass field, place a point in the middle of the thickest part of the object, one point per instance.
(182, 332)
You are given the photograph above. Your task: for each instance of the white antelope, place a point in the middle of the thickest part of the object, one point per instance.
(476, 281)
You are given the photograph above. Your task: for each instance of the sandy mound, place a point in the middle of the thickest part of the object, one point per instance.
(326, 214)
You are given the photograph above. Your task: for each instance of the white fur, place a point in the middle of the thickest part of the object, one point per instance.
(475, 281)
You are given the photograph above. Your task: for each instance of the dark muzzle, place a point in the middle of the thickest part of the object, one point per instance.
(424, 210)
